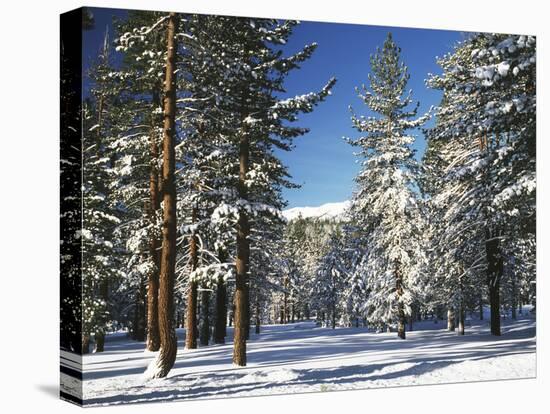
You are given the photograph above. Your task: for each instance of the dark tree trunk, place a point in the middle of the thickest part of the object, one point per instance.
(333, 316)
(494, 298)
(514, 297)
(411, 319)
(100, 333)
(232, 315)
(401, 322)
(451, 320)
(356, 322)
(285, 302)
(258, 319)
(221, 312)
(282, 317)
(494, 274)
(153, 338)
(168, 341)
(191, 325)
(85, 344)
(400, 309)
(99, 341)
(205, 318)
(139, 314)
(292, 313)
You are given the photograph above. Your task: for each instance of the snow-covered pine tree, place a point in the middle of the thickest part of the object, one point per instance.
(143, 43)
(100, 263)
(385, 202)
(456, 253)
(489, 126)
(330, 280)
(254, 71)
(355, 290)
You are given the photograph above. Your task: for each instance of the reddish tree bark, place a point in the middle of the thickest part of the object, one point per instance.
(153, 338)
(168, 343)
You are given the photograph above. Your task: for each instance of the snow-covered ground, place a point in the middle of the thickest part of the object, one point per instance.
(301, 357)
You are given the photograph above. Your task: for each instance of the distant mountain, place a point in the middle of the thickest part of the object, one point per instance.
(329, 210)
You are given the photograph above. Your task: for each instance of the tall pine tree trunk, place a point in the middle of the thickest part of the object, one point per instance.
(191, 318)
(221, 312)
(153, 338)
(205, 317)
(242, 262)
(191, 325)
(168, 342)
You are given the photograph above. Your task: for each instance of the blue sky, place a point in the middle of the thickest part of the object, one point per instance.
(321, 161)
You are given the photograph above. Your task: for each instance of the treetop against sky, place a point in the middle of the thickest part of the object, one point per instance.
(321, 161)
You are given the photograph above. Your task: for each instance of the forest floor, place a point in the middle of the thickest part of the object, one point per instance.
(302, 357)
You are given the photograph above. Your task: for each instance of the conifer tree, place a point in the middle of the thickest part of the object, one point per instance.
(385, 202)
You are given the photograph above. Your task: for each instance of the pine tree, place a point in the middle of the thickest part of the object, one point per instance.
(385, 202)
(488, 129)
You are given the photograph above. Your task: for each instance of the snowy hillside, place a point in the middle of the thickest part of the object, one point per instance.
(328, 210)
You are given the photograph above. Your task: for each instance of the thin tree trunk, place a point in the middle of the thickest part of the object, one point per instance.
(258, 319)
(168, 341)
(205, 318)
(139, 314)
(100, 333)
(232, 315)
(191, 326)
(285, 301)
(514, 297)
(400, 309)
(191, 323)
(494, 273)
(221, 312)
(153, 338)
(461, 319)
(85, 344)
(450, 319)
(333, 315)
